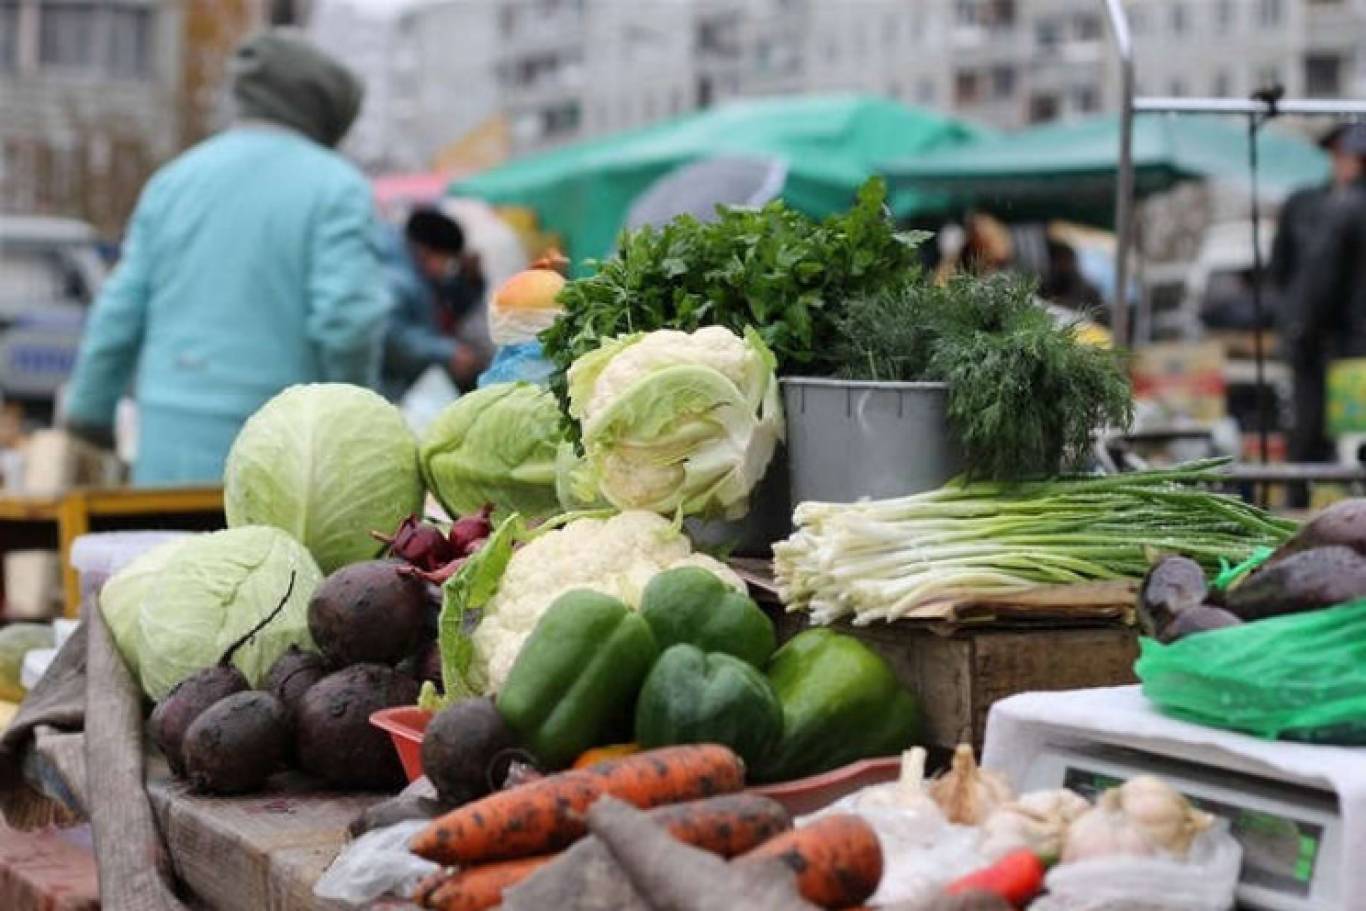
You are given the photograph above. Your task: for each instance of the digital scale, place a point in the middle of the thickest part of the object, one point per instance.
(1290, 826)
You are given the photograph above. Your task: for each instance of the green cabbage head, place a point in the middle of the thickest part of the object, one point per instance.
(678, 422)
(495, 445)
(121, 597)
(214, 589)
(329, 463)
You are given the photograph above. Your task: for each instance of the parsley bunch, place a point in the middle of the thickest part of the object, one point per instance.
(772, 268)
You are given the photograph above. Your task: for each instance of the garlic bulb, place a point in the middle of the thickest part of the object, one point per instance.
(968, 795)
(906, 793)
(1037, 821)
(1143, 817)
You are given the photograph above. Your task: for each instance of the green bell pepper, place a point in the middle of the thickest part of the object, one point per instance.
(694, 697)
(691, 605)
(576, 676)
(840, 702)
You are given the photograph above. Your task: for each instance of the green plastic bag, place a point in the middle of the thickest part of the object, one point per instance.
(1297, 677)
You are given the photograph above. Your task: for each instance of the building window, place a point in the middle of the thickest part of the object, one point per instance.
(1048, 34)
(1269, 13)
(130, 35)
(1223, 84)
(1087, 26)
(967, 87)
(1002, 81)
(1223, 15)
(965, 12)
(1042, 108)
(561, 119)
(1178, 18)
(95, 37)
(1001, 13)
(1323, 75)
(9, 41)
(1086, 99)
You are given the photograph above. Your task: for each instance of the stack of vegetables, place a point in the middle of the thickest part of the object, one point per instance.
(694, 664)
(881, 560)
(510, 845)
(1273, 647)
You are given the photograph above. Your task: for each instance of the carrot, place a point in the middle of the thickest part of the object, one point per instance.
(430, 883)
(478, 888)
(534, 818)
(547, 814)
(600, 754)
(837, 859)
(728, 825)
(671, 774)
(1017, 878)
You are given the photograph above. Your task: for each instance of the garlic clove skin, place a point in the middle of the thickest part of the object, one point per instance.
(967, 794)
(1038, 821)
(1143, 817)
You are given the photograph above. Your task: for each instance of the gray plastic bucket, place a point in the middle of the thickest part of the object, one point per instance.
(847, 440)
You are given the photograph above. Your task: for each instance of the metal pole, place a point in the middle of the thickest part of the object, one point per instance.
(1254, 124)
(1124, 185)
(1301, 107)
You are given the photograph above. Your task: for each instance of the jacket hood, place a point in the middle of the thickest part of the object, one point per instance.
(280, 77)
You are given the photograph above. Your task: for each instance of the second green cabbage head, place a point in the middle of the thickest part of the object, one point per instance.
(495, 445)
(678, 422)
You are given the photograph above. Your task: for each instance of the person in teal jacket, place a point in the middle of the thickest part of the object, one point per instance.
(249, 265)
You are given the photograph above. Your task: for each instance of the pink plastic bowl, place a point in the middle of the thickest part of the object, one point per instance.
(407, 723)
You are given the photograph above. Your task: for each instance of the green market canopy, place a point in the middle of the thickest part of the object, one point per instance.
(1068, 169)
(830, 143)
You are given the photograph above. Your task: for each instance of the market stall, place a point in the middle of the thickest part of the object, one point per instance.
(717, 619)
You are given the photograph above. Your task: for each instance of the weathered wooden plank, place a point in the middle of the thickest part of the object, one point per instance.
(261, 852)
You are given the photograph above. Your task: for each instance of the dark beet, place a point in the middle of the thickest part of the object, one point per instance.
(188, 700)
(1200, 619)
(419, 544)
(1343, 524)
(1300, 582)
(368, 612)
(235, 745)
(460, 747)
(334, 738)
(292, 674)
(1173, 585)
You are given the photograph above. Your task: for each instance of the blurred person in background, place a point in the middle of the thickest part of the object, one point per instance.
(1064, 283)
(438, 304)
(248, 266)
(1321, 315)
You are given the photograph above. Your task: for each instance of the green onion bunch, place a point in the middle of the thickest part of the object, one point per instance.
(882, 559)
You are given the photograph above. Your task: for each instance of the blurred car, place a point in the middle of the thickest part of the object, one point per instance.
(50, 271)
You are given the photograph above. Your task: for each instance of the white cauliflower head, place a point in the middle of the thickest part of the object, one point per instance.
(617, 556)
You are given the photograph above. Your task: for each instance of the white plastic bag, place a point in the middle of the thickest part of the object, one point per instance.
(378, 863)
(1205, 881)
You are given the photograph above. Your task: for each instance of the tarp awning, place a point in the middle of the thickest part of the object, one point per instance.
(830, 143)
(1068, 169)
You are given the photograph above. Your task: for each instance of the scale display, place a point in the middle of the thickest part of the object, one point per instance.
(1279, 852)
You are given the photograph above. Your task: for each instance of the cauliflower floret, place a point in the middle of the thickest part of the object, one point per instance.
(711, 346)
(617, 556)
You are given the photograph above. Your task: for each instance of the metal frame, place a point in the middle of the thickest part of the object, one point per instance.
(1129, 106)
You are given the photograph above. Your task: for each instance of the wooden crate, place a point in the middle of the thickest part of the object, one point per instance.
(958, 677)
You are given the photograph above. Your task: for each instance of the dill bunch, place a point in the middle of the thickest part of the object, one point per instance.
(1025, 395)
